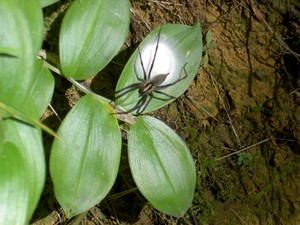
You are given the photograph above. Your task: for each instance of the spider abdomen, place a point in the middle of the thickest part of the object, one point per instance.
(159, 79)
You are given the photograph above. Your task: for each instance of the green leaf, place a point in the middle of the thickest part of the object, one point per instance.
(161, 165)
(179, 48)
(29, 141)
(92, 33)
(84, 165)
(45, 3)
(42, 89)
(205, 60)
(21, 33)
(13, 186)
(25, 117)
(208, 37)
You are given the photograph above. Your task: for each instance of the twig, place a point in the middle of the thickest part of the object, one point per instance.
(53, 110)
(163, 2)
(201, 108)
(280, 41)
(295, 91)
(121, 194)
(227, 113)
(244, 149)
(193, 215)
(240, 218)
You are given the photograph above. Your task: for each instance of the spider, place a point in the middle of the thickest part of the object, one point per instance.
(148, 85)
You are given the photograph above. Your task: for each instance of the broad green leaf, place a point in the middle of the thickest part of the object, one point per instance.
(45, 3)
(161, 165)
(179, 54)
(42, 89)
(29, 141)
(21, 33)
(92, 33)
(14, 195)
(84, 165)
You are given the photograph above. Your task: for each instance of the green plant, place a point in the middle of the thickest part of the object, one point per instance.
(86, 151)
(244, 159)
(208, 45)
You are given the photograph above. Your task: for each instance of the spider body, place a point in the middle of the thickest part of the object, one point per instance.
(148, 85)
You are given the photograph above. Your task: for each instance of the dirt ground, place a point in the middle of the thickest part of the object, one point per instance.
(246, 99)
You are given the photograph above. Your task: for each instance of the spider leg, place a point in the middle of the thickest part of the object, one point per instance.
(156, 48)
(143, 67)
(138, 105)
(134, 66)
(126, 90)
(176, 81)
(145, 104)
(162, 93)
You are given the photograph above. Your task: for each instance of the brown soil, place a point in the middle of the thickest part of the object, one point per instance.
(246, 98)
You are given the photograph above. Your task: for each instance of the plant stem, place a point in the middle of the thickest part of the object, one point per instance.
(251, 146)
(52, 63)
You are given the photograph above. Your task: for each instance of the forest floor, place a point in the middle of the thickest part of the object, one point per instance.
(247, 99)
